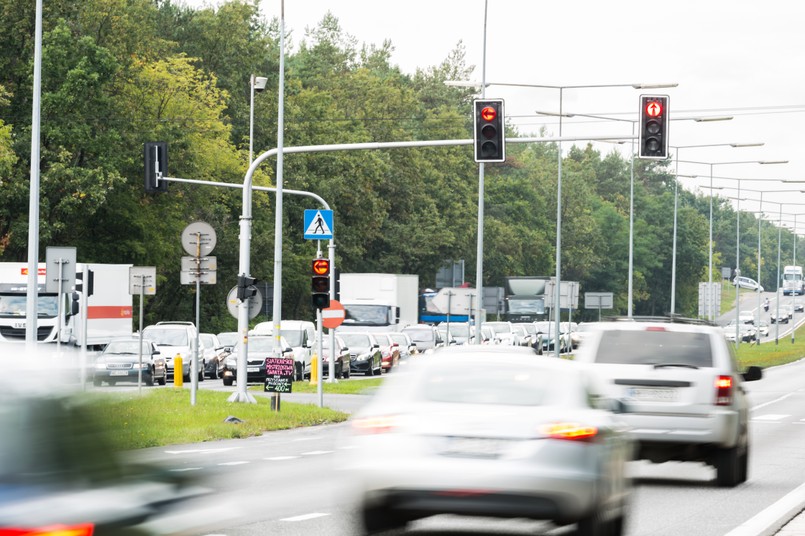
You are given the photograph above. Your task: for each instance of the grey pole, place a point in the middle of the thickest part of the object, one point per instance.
(557, 293)
(631, 229)
(278, 212)
(673, 251)
(777, 288)
(32, 290)
(737, 267)
(710, 290)
(759, 219)
(479, 253)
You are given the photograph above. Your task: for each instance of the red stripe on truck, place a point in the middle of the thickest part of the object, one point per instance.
(109, 311)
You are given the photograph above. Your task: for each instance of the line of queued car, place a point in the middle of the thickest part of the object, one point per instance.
(549, 439)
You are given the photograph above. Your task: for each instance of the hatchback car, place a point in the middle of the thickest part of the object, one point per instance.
(684, 393)
(120, 362)
(748, 283)
(516, 440)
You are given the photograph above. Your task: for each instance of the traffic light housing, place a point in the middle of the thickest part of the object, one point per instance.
(246, 288)
(79, 286)
(654, 120)
(490, 142)
(155, 156)
(320, 283)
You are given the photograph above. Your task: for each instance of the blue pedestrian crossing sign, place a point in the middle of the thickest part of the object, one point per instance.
(318, 224)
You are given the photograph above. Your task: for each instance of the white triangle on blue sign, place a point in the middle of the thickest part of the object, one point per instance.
(318, 226)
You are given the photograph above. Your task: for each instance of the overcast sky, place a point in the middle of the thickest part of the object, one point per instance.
(729, 57)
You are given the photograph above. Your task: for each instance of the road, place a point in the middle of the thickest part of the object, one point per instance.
(750, 303)
(289, 482)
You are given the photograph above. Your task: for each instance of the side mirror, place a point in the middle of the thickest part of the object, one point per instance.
(753, 373)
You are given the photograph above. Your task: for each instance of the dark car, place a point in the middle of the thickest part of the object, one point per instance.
(341, 357)
(364, 352)
(260, 347)
(120, 362)
(215, 353)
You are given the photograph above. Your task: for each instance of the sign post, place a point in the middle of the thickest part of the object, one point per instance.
(143, 282)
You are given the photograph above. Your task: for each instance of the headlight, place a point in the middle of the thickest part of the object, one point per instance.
(100, 366)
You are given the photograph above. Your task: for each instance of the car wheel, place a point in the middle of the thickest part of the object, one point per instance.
(228, 381)
(592, 524)
(162, 381)
(186, 378)
(96, 383)
(111, 383)
(380, 520)
(728, 467)
(346, 374)
(371, 370)
(149, 380)
(201, 375)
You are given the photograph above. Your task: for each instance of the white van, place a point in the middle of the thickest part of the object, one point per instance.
(176, 338)
(300, 334)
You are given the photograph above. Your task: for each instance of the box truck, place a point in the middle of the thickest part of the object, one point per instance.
(108, 311)
(381, 302)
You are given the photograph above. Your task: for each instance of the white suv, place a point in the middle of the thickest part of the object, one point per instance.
(680, 389)
(176, 338)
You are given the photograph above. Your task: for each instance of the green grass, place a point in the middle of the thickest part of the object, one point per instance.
(164, 416)
(343, 387)
(770, 354)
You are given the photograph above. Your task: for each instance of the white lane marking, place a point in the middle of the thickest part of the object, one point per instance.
(317, 452)
(770, 417)
(307, 438)
(186, 469)
(233, 463)
(770, 402)
(774, 517)
(305, 517)
(281, 458)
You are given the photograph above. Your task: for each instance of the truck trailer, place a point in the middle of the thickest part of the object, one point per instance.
(107, 311)
(380, 302)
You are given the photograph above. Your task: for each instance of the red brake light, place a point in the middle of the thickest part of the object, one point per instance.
(570, 430)
(724, 391)
(85, 529)
(374, 425)
(656, 328)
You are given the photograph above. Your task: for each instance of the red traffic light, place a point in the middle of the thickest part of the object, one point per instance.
(489, 113)
(321, 266)
(653, 108)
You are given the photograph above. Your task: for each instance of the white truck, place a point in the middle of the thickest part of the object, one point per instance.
(379, 302)
(792, 281)
(108, 313)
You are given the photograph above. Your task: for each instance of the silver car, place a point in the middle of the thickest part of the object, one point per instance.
(451, 434)
(682, 388)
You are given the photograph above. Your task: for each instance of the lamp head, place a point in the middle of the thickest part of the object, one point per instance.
(260, 83)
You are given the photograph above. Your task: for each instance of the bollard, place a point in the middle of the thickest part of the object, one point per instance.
(314, 370)
(178, 372)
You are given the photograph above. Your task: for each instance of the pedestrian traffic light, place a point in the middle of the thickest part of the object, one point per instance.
(654, 119)
(246, 288)
(320, 283)
(490, 143)
(155, 155)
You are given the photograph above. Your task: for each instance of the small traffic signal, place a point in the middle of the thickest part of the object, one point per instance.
(246, 288)
(654, 119)
(490, 143)
(320, 283)
(155, 155)
(79, 286)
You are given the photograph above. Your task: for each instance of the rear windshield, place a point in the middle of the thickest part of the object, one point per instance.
(655, 348)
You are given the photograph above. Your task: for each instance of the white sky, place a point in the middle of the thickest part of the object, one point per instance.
(730, 57)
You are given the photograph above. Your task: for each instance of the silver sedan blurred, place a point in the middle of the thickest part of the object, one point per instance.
(452, 435)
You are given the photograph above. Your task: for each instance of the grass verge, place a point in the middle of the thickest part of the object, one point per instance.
(343, 387)
(770, 354)
(164, 416)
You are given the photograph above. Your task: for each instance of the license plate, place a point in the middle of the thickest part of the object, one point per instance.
(475, 447)
(19, 325)
(119, 373)
(252, 369)
(652, 394)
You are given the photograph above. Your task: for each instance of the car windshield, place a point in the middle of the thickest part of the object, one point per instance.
(399, 338)
(655, 347)
(356, 340)
(457, 330)
(261, 344)
(500, 327)
(228, 339)
(421, 335)
(14, 305)
(167, 336)
(491, 385)
(126, 347)
(207, 340)
(382, 340)
(293, 336)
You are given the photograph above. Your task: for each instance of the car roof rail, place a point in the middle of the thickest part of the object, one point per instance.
(669, 319)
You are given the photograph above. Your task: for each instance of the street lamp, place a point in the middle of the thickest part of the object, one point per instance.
(558, 278)
(710, 291)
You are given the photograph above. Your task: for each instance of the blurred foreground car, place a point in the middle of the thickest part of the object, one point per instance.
(120, 362)
(58, 469)
(684, 393)
(516, 440)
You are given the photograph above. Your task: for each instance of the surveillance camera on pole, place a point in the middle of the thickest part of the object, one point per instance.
(260, 83)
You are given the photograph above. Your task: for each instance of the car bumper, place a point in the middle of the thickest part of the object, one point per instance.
(718, 428)
(120, 375)
(359, 366)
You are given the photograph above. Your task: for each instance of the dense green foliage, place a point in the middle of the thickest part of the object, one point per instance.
(118, 73)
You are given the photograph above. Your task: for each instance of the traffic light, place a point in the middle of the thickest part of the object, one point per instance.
(654, 119)
(246, 288)
(490, 143)
(155, 155)
(79, 286)
(320, 283)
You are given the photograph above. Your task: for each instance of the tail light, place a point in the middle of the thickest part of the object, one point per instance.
(53, 530)
(724, 391)
(571, 431)
(374, 425)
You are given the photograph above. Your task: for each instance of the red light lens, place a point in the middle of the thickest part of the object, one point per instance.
(653, 108)
(53, 530)
(376, 425)
(723, 390)
(488, 113)
(572, 431)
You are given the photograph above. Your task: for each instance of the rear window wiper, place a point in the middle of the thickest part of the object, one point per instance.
(683, 365)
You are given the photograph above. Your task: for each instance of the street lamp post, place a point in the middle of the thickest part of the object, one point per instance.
(257, 83)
